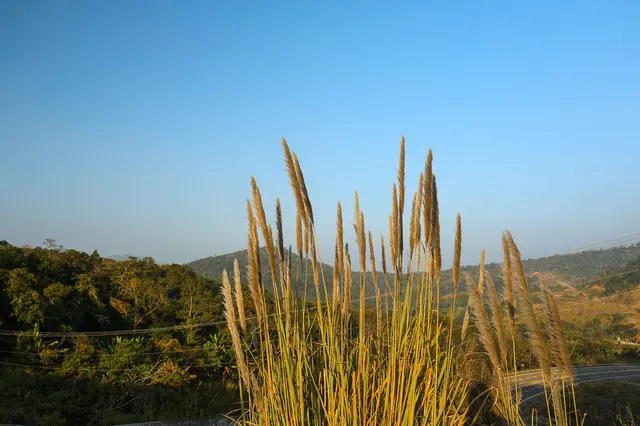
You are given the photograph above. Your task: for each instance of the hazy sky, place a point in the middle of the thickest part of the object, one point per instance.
(135, 126)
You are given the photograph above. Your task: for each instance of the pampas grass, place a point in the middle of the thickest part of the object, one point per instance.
(230, 316)
(324, 363)
(486, 335)
(497, 320)
(239, 295)
(508, 283)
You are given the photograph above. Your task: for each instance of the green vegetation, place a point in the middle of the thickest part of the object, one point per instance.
(78, 323)
(623, 280)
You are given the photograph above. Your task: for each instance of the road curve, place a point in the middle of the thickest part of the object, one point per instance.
(530, 382)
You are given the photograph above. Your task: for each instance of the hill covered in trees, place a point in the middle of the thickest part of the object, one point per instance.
(626, 279)
(212, 267)
(119, 341)
(574, 270)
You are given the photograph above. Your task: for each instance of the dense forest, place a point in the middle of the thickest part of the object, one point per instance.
(118, 341)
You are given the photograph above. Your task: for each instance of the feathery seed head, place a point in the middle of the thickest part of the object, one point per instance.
(457, 251)
(239, 295)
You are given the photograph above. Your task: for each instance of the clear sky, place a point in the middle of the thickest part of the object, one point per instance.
(135, 126)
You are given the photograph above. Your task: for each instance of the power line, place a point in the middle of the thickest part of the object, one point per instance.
(43, 367)
(624, 237)
(609, 276)
(112, 332)
(106, 354)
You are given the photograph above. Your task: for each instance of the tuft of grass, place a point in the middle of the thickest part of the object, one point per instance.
(324, 362)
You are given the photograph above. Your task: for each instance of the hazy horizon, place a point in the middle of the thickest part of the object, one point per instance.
(135, 127)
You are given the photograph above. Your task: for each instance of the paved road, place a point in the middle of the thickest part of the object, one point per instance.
(530, 382)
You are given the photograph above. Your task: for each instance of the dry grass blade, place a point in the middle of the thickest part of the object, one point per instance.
(340, 238)
(556, 326)
(360, 235)
(509, 295)
(412, 227)
(383, 256)
(418, 213)
(239, 295)
(307, 240)
(266, 233)
(401, 177)
(480, 287)
(293, 176)
(426, 197)
(348, 283)
(335, 299)
(299, 244)
(435, 231)
(303, 190)
(401, 192)
(372, 258)
(482, 323)
(297, 194)
(255, 274)
(280, 233)
(483, 254)
(230, 316)
(457, 252)
(496, 318)
(393, 228)
(529, 316)
(374, 274)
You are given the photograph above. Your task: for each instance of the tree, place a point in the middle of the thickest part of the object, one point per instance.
(196, 304)
(140, 291)
(25, 300)
(52, 244)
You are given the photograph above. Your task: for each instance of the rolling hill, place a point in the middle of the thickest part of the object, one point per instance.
(566, 273)
(212, 267)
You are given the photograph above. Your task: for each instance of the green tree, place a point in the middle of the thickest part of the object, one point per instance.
(25, 300)
(140, 291)
(197, 304)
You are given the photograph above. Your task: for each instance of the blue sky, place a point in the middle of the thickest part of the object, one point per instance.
(134, 127)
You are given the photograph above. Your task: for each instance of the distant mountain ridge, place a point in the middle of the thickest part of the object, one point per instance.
(574, 270)
(212, 267)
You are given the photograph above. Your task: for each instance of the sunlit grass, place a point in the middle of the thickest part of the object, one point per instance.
(329, 362)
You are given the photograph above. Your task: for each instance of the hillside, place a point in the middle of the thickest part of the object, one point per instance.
(627, 279)
(567, 272)
(212, 267)
(99, 324)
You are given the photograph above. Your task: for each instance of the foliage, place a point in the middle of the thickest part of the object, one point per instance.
(32, 398)
(219, 352)
(45, 290)
(626, 279)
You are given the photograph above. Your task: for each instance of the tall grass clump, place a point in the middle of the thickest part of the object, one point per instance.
(397, 358)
